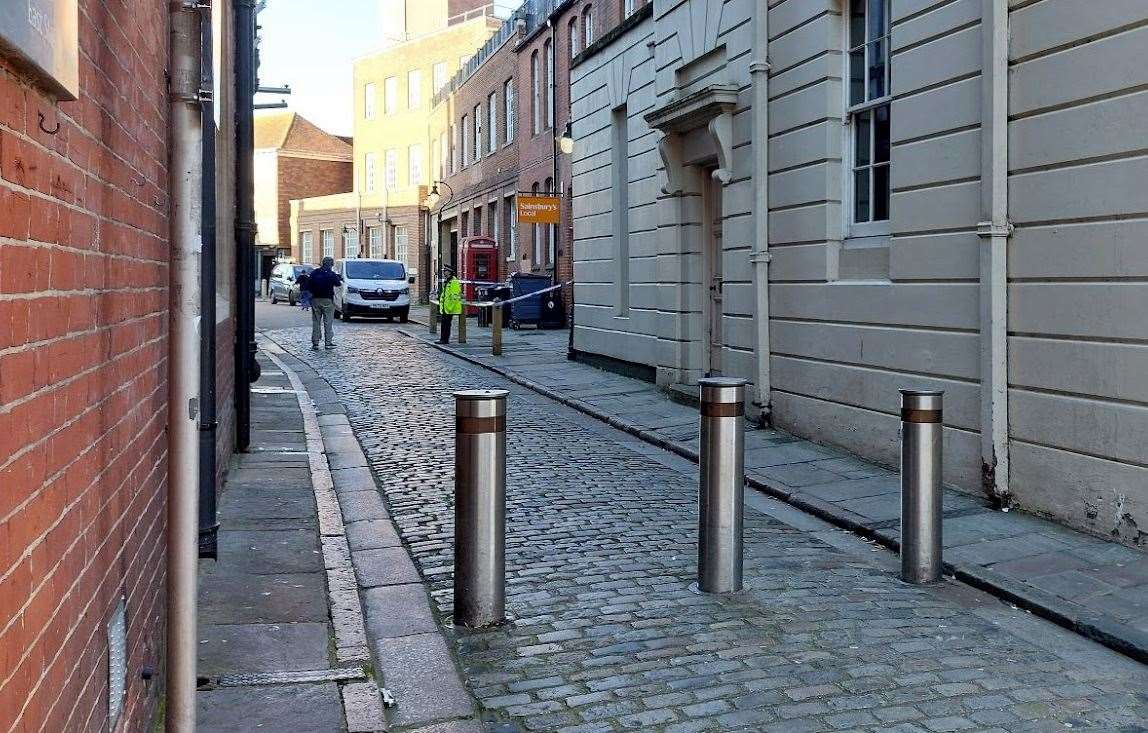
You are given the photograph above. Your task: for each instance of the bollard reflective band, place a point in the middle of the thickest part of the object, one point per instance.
(920, 416)
(723, 409)
(480, 425)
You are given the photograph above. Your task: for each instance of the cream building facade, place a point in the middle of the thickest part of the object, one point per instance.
(838, 199)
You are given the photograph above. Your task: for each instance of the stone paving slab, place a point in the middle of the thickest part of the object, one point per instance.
(1106, 612)
(605, 633)
(420, 671)
(235, 648)
(297, 708)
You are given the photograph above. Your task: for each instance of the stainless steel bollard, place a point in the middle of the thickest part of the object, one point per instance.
(720, 491)
(921, 457)
(496, 328)
(480, 507)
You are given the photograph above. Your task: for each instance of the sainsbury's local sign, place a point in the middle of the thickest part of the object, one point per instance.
(539, 209)
(40, 36)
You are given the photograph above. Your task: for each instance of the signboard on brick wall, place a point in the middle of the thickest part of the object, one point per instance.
(40, 36)
(539, 209)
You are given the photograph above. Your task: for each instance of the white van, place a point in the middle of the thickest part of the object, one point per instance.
(373, 288)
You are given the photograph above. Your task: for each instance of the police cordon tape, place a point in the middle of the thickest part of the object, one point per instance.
(492, 303)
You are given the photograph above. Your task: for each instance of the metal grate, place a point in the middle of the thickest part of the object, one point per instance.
(117, 662)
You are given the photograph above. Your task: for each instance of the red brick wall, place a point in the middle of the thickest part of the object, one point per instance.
(494, 176)
(301, 178)
(83, 325)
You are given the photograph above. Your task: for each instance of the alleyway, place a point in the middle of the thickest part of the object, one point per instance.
(606, 634)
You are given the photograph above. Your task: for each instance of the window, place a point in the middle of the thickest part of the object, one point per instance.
(462, 131)
(375, 242)
(350, 242)
(307, 246)
(573, 32)
(402, 240)
(390, 95)
(535, 95)
(415, 164)
(477, 220)
(868, 116)
(508, 108)
(438, 76)
(414, 89)
(391, 169)
(620, 204)
(443, 153)
(477, 132)
(369, 164)
(454, 136)
(369, 101)
(492, 217)
(551, 230)
(327, 237)
(511, 208)
(492, 122)
(629, 7)
(588, 26)
(535, 236)
(549, 49)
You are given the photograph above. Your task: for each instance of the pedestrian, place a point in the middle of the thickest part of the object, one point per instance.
(321, 284)
(449, 304)
(304, 291)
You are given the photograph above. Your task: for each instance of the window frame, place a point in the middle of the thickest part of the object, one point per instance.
(465, 142)
(327, 243)
(511, 202)
(508, 110)
(492, 123)
(402, 254)
(414, 89)
(390, 95)
(535, 94)
(370, 171)
(478, 132)
(588, 27)
(572, 36)
(548, 65)
(375, 242)
(370, 94)
(439, 80)
(349, 236)
(870, 228)
(415, 164)
(307, 246)
(391, 169)
(629, 7)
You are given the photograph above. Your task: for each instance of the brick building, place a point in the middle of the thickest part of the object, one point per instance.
(294, 159)
(84, 313)
(481, 166)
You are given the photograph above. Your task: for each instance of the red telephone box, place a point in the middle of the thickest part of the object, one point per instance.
(478, 263)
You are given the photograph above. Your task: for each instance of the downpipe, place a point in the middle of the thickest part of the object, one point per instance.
(186, 179)
(759, 74)
(208, 422)
(246, 365)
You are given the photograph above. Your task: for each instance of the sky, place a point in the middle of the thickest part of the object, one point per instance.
(309, 45)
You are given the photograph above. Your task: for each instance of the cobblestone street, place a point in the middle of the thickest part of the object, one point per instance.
(605, 633)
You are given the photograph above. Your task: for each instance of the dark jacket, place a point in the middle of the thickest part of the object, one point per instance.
(322, 283)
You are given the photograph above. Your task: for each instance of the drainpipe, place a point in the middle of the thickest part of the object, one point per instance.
(208, 424)
(994, 229)
(183, 363)
(759, 75)
(246, 367)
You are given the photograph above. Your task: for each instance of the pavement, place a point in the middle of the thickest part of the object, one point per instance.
(604, 631)
(1085, 583)
(282, 644)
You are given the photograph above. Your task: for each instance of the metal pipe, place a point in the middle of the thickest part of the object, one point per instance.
(183, 365)
(480, 507)
(721, 482)
(921, 433)
(208, 421)
(246, 367)
(496, 328)
(759, 76)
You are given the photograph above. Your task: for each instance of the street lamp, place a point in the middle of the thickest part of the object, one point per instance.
(566, 142)
(434, 197)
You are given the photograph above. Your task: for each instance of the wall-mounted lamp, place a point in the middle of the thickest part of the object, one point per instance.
(566, 142)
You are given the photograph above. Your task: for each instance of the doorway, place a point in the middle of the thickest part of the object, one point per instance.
(714, 270)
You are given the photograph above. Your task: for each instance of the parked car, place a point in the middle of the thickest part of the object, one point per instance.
(285, 282)
(373, 288)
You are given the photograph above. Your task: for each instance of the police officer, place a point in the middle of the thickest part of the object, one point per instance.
(449, 303)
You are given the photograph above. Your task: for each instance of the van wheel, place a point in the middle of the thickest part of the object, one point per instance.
(404, 315)
(291, 299)
(274, 300)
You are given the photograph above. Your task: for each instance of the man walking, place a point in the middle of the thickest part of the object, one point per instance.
(449, 304)
(322, 283)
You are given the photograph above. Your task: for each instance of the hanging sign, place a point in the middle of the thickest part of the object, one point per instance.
(41, 37)
(539, 209)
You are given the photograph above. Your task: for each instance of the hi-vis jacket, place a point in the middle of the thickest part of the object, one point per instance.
(450, 301)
